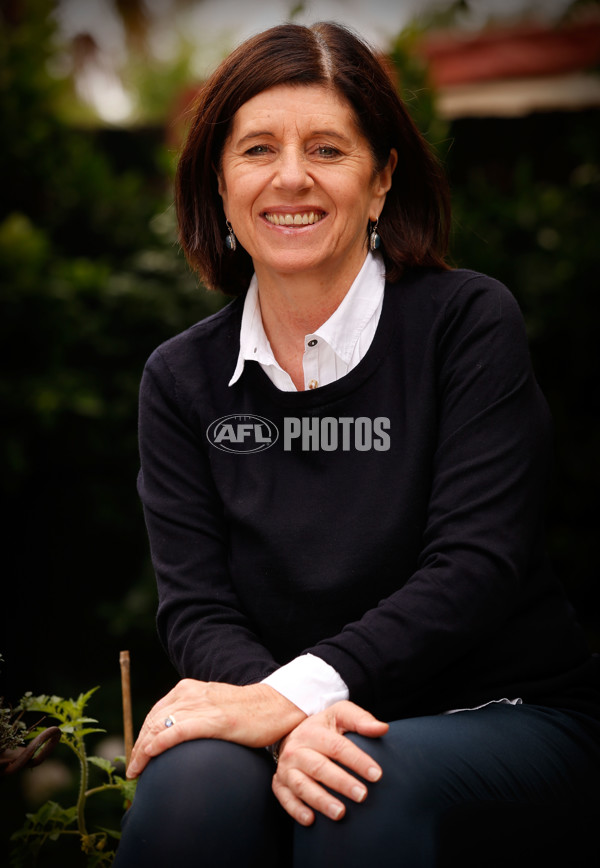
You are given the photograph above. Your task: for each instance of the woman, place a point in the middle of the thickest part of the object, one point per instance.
(343, 475)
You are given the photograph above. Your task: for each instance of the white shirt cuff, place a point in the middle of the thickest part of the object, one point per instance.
(309, 683)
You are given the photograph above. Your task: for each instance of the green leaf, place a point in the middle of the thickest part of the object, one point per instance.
(126, 787)
(112, 833)
(50, 813)
(102, 763)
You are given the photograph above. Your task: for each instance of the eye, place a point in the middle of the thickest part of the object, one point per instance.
(258, 150)
(327, 151)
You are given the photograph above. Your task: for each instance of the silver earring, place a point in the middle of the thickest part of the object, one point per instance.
(230, 239)
(374, 236)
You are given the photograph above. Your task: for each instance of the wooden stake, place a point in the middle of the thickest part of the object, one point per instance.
(127, 715)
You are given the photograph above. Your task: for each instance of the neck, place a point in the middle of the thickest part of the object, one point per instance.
(294, 305)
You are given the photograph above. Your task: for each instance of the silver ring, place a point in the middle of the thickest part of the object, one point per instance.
(169, 721)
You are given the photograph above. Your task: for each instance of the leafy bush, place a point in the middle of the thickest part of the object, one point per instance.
(67, 830)
(92, 281)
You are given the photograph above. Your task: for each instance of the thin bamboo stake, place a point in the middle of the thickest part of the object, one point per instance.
(127, 715)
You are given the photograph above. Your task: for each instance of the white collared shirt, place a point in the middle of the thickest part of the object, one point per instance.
(334, 348)
(330, 352)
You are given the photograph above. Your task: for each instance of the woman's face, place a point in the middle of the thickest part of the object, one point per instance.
(298, 183)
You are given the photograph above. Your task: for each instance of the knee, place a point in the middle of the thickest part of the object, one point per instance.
(414, 781)
(202, 776)
(191, 798)
(191, 763)
(394, 825)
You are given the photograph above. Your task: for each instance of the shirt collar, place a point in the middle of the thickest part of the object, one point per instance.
(341, 331)
(343, 328)
(254, 343)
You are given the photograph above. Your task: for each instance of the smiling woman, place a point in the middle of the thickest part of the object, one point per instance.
(331, 60)
(300, 193)
(343, 475)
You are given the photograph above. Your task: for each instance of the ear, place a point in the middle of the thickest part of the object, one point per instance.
(384, 178)
(222, 191)
(382, 184)
(220, 180)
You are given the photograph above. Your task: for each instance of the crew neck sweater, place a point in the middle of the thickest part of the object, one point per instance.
(434, 590)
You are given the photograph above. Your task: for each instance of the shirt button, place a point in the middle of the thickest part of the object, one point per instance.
(312, 384)
(313, 343)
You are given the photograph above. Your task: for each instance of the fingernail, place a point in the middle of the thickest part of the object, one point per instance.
(305, 818)
(358, 793)
(335, 811)
(374, 774)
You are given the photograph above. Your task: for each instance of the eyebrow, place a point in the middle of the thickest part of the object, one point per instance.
(254, 135)
(315, 134)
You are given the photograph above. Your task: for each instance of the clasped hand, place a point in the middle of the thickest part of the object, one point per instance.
(254, 715)
(317, 754)
(314, 752)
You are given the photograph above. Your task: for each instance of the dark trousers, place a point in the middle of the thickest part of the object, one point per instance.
(501, 785)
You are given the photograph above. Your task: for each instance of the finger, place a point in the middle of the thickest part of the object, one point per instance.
(180, 704)
(294, 806)
(308, 770)
(372, 728)
(336, 747)
(154, 727)
(154, 722)
(184, 729)
(350, 717)
(356, 760)
(185, 690)
(139, 757)
(311, 794)
(324, 770)
(157, 739)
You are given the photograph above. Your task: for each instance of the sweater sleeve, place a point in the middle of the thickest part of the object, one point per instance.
(477, 564)
(200, 621)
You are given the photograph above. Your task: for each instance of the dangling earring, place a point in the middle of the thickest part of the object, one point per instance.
(230, 239)
(374, 236)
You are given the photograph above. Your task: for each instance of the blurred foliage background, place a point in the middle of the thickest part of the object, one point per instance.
(92, 280)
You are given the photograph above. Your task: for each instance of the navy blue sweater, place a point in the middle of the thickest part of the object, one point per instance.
(390, 522)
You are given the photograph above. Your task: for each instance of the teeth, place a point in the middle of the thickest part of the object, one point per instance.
(301, 219)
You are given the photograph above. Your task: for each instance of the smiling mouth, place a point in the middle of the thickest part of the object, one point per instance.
(302, 218)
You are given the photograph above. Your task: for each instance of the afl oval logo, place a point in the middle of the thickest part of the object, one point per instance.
(245, 433)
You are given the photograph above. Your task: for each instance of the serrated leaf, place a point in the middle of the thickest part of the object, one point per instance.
(65, 710)
(126, 787)
(79, 721)
(52, 813)
(102, 763)
(112, 833)
(47, 812)
(83, 697)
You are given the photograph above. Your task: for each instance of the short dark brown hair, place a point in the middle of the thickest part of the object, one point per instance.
(414, 223)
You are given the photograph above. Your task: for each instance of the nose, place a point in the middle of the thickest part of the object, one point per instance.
(292, 170)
